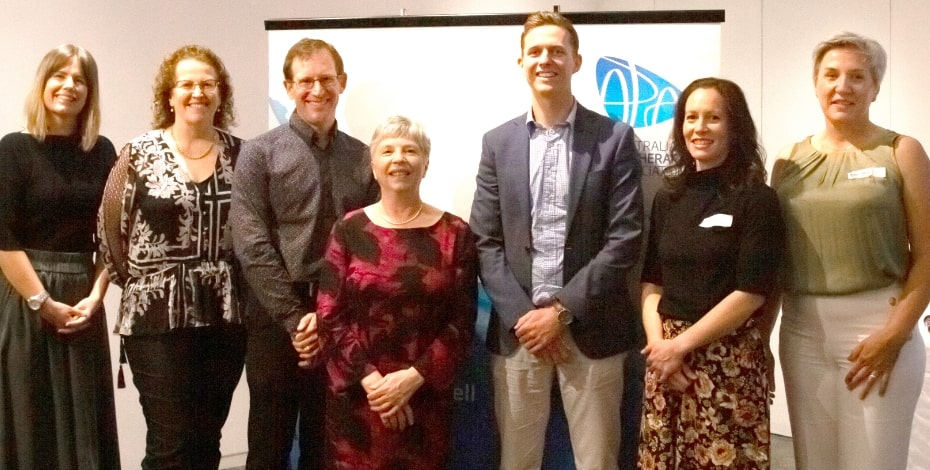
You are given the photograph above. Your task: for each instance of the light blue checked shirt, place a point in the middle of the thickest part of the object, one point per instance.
(550, 160)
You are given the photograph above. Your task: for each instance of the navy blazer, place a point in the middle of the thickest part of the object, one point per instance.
(603, 233)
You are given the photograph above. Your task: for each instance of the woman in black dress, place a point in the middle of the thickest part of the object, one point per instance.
(56, 390)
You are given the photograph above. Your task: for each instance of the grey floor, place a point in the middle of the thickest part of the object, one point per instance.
(782, 454)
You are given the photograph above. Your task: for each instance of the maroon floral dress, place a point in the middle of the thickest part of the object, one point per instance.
(390, 299)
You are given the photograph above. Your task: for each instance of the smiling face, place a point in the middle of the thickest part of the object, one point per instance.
(706, 128)
(65, 95)
(845, 86)
(196, 105)
(315, 86)
(398, 164)
(549, 60)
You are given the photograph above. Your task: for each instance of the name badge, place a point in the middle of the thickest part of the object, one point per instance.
(717, 220)
(874, 172)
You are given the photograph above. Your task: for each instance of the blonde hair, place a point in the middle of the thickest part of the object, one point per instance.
(871, 50)
(88, 121)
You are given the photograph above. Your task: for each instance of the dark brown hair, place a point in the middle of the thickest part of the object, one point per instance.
(745, 159)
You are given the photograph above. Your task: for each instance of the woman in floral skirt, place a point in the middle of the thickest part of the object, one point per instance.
(715, 245)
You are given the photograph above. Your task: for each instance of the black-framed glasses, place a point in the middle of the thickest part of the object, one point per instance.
(207, 86)
(325, 81)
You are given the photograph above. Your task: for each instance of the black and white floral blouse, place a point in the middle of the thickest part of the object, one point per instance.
(173, 238)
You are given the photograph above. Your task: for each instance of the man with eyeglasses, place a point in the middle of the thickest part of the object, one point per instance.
(291, 184)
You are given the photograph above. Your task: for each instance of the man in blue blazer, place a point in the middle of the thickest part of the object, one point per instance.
(558, 217)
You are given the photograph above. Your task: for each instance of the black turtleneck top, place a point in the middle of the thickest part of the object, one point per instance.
(706, 240)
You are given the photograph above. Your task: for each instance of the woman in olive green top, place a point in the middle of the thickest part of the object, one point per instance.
(857, 209)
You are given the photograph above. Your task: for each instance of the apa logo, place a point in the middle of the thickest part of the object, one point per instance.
(633, 94)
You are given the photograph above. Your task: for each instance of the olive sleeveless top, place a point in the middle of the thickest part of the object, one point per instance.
(844, 214)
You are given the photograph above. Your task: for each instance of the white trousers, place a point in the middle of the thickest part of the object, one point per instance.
(591, 390)
(919, 455)
(831, 427)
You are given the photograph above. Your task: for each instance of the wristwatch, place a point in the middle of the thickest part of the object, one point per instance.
(35, 302)
(564, 315)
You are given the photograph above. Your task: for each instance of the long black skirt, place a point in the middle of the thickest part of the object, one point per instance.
(56, 391)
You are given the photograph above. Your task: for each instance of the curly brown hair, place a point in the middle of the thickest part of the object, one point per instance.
(163, 115)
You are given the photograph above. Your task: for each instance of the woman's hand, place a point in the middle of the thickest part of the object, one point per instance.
(664, 358)
(769, 372)
(873, 359)
(64, 318)
(390, 396)
(682, 380)
(87, 306)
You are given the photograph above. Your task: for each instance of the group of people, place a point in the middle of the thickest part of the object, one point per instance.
(310, 259)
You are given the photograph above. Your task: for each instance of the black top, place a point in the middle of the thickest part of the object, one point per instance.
(707, 241)
(50, 191)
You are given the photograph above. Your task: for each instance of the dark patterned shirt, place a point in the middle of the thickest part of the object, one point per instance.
(176, 240)
(281, 215)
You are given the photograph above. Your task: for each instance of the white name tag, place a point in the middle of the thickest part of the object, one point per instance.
(718, 220)
(874, 172)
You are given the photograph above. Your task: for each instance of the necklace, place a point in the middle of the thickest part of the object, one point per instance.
(177, 144)
(386, 219)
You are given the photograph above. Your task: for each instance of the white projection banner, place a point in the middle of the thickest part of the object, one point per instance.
(458, 75)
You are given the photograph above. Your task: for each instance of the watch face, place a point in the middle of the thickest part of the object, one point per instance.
(35, 302)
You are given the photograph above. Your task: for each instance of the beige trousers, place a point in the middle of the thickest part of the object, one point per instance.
(591, 390)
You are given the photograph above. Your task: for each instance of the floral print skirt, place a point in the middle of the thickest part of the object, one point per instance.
(722, 419)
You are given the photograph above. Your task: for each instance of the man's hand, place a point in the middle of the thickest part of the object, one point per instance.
(557, 352)
(538, 329)
(306, 341)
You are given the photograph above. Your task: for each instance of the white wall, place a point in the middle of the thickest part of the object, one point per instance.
(766, 48)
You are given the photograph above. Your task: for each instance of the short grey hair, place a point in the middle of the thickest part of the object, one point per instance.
(871, 50)
(401, 126)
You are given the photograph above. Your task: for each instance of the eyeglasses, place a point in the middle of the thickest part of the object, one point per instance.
(207, 86)
(306, 84)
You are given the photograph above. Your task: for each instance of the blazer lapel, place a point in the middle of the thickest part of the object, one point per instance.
(518, 177)
(583, 144)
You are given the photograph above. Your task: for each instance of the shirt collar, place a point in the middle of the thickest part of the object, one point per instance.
(569, 120)
(306, 132)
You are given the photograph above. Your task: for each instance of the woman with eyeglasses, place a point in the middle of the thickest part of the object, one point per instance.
(56, 385)
(164, 239)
